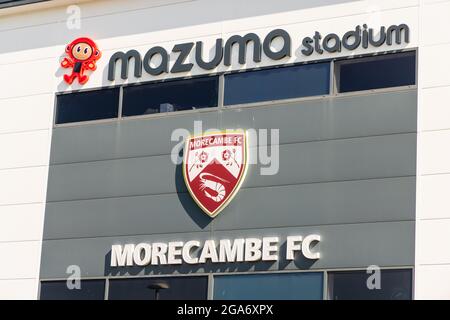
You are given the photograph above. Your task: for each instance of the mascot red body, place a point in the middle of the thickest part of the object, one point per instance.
(82, 54)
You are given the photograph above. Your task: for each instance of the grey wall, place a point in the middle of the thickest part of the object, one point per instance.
(347, 172)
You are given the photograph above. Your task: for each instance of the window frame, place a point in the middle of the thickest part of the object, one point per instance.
(164, 114)
(104, 280)
(333, 90)
(171, 276)
(323, 273)
(374, 57)
(362, 271)
(58, 94)
(77, 123)
(283, 66)
(212, 274)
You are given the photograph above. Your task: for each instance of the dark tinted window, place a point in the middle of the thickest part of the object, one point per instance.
(170, 288)
(57, 290)
(392, 70)
(87, 106)
(170, 96)
(279, 83)
(287, 286)
(394, 285)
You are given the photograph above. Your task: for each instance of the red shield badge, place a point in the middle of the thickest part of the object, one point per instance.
(214, 168)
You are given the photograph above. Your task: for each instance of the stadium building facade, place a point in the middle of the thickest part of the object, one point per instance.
(344, 106)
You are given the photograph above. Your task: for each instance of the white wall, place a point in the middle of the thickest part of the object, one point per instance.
(26, 108)
(24, 142)
(34, 40)
(433, 186)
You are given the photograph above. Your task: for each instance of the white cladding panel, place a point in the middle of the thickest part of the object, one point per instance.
(434, 199)
(435, 115)
(435, 67)
(23, 186)
(21, 222)
(27, 113)
(433, 169)
(433, 281)
(18, 289)
(26, 78)
(20, 260)
(24, 149)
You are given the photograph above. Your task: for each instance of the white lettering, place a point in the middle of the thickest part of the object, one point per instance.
(209, 252)
(187, 251)
(122, 256)
(142, 254)
(175, 250)
(293, 244)
(228, 251)
(270, 249)
(307, 246)
(252, 249)
(159, 253)
(231, 253)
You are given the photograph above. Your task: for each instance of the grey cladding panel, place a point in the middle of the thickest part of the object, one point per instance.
(124, 216)
(345, 202)
(347, 172)
(333, 118)
(125, 139)
(320, 161)
(337, 160)
(342, 246)
(298, 205)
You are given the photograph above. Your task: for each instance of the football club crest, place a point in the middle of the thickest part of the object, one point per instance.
(214, 168)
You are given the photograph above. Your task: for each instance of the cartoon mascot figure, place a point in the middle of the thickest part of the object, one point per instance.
(83, 54)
